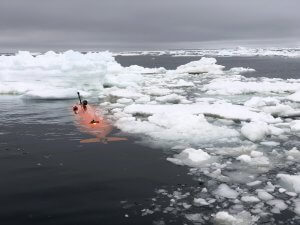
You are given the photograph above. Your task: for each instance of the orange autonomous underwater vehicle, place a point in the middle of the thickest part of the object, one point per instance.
(90, 121)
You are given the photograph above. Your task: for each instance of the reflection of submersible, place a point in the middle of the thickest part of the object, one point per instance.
(91, 122)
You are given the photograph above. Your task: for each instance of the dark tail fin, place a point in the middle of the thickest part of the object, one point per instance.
(79, 97)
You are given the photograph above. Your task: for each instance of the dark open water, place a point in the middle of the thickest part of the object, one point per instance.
(48, 177)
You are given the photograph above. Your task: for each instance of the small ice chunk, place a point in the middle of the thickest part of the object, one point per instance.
(270, 143)
(172, 98)
(269, 187)
(225, 218)
(142, 100)
(225, 191)
(281, 190)
(182, 83)
(196, 217)
(250, 199)
(200, 201)
(294, 97)
(186, 206)
(254, 183)
(278, 205)
(290, 193)
(190, 157)
(255, 131)
(258, 160)
(124, 101)
(244, 158)
(242, 218)
(297, 206)
(290, 182)
(210, 201)
(204, 65)
(126, 93)
(240, 70)
(257, 102)
(146, 212)
(295, 125)
(293, 154)
(263, 195)
(256, 154)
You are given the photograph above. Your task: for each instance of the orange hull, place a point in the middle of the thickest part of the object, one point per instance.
(91, 122)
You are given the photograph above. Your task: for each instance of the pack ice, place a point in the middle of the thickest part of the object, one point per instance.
(232, 132)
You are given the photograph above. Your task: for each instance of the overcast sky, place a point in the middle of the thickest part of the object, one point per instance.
(40, 25)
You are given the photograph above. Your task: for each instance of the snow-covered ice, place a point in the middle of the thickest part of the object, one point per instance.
(191, 157)
(225, 191)
(290, 182)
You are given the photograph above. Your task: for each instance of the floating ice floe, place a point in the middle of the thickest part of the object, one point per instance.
(255, 131)
(242, 218)
(295, 126)
(200, 202)
(278, 205)
(254, 159)
(293, 154)
(172, 127)
(297, 206)
(290, 182)
(294, 97)
(248, 198)
(241, 70)
(172, 98)
(264, 195)
(53, 75)
(238, 85)
(191, 157)
(204, 65)
(217, 110)
(225, 191)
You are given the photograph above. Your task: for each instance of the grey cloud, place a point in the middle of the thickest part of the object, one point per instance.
(135, 24)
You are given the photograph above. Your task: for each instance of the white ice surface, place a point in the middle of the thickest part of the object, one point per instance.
(219, 109)
(191, 157)
(204, 65)
(53, 75)
(225, 191)
(290, 182)
(242, 218)
(255, 131)
(238, 85)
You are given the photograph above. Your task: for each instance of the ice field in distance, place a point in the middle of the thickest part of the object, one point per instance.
(226, 52)
(231, 131)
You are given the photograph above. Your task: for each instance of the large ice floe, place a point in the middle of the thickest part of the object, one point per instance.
(53, 75)
(238, 136)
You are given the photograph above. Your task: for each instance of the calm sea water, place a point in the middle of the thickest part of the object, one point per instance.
(48, 177)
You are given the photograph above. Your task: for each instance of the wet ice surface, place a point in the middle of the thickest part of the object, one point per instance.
(230, 127)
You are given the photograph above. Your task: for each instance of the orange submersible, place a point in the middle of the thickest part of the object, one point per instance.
(90, 121)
